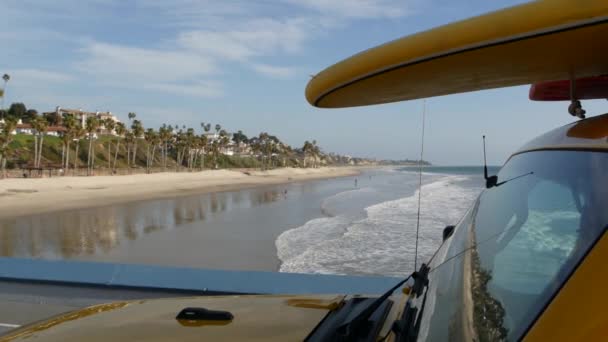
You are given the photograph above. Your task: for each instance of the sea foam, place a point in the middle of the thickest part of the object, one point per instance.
(381, 243)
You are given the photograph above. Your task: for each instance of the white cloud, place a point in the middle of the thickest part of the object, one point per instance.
(355, 8)
(199, 89)
(273, 71)
(203, 37)
(138, 64)
(38, 76)
(260, 37)
(173, 71)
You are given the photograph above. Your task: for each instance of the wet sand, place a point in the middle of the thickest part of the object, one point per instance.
(233, 230)
(21, 197)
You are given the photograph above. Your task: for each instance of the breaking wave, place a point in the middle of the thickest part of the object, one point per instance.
(383, 241)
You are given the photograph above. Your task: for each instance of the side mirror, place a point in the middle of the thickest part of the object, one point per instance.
(447, 232)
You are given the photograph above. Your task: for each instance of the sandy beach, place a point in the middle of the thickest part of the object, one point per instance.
(19, 197)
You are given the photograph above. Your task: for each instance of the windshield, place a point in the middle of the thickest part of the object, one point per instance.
(521, 241)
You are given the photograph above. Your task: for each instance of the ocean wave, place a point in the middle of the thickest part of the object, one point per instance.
(333, 205)
(383, 242)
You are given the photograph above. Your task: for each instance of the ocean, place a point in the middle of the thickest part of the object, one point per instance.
(371, 229)
(361, 225)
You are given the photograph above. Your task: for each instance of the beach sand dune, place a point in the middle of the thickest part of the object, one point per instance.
(26, 196)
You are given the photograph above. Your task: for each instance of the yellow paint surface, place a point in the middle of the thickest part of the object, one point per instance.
(256, 318)
(515, 46)
(578, 312)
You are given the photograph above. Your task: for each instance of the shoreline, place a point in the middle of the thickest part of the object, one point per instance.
(29, 196)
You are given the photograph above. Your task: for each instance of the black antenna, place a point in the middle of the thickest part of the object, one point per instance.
(492, 180)
(419, 184)
(485, 163)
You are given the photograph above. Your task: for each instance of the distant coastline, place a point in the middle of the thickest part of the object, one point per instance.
(405, 162)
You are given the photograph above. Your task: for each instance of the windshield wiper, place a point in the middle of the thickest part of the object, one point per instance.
(353, 321)
(408, 326)
(352, 326)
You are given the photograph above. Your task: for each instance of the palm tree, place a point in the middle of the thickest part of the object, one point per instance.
(314, 152)
(40, 125)
(6, 78)
(306, 150)
(219, 144)
(287, 154)
(78, 133)
(183, 145)
(109, 125)
(165, 134)
(65, 141)
(6, 137)
(138, 131)
(156, 142)
(120, 130)
(224, 141)
(69, 123)
(202, 145)
(190, 141)
(129, 137)
(131, 116)
(215, 150)
(92, 124)
(150, 136)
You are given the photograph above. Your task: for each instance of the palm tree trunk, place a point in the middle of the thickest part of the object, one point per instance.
(152, 157)
(76, 155)
(110, 155)
(92, 158)
(4, 166)
(89, 156)
(40, 150)
(165, 158)
(2, 158)
(148, 159)
(116, 154)
(63, 155)
(134, 152)
(35, 149)
(67, 158)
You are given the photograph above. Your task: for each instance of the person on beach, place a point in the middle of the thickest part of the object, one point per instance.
(355, 182)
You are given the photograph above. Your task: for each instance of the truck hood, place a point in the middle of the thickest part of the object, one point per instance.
(255, 318)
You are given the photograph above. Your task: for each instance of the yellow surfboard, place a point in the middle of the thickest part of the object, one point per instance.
(537, 41)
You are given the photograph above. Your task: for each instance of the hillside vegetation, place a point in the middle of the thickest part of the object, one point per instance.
(22, 151)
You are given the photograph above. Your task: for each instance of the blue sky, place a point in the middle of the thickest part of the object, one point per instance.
(245, 64)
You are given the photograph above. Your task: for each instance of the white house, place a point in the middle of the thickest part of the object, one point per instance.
(82, 116)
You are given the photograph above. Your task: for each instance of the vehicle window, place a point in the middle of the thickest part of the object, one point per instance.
(522, 240)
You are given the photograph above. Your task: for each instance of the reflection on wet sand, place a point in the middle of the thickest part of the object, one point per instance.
(70, 234)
